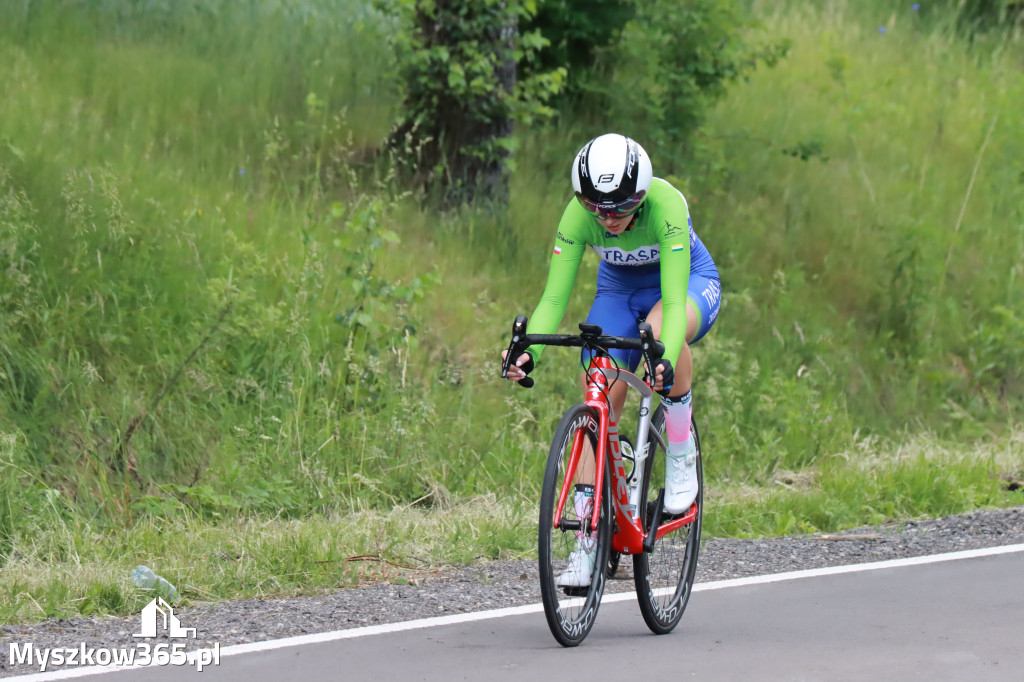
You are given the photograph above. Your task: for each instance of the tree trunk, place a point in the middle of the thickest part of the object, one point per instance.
(450, 140)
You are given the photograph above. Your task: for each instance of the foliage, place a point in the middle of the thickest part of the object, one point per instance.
(166, 301)
(457, 63)
(973, 17)
(885, 263)
(670, 65)
(219, 321)
(575, 30)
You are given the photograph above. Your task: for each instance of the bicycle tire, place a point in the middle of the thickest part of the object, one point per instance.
(664, 577)
(570, 612)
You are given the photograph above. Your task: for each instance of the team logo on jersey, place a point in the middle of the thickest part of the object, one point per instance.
(645, 255)
(562, 237)
(672, 230)
(712, 292)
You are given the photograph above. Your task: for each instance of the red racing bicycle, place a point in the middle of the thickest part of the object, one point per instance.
(627, 516)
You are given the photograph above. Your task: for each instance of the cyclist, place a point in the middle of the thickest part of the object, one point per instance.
(653, 266)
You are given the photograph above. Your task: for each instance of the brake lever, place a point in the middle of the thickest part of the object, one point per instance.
(646, 334)
(515, 350)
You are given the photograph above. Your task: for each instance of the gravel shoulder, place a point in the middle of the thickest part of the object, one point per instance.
(461, 589)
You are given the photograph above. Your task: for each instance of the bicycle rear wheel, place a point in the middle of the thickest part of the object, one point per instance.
(664, 577)
(571, 611)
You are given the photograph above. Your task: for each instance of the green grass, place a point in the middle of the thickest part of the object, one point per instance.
(233, 349)
(897, 237)
(85, 570)
(82, 569)
(873, 483)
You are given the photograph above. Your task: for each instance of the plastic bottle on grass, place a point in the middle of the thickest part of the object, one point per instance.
(144, 577)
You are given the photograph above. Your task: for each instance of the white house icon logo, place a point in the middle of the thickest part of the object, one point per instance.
(171, 624)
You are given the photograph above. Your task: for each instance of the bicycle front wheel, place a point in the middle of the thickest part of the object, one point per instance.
(664, 577)
(571, 605)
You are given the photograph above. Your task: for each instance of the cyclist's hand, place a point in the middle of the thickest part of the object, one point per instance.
(664, 376)
(520, 368)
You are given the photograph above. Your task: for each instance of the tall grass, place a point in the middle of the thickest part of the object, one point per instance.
(870, 217)
(232, 348)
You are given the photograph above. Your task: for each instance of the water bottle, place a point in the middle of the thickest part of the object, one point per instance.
(626, 448)
(633, 475)
(144, 577)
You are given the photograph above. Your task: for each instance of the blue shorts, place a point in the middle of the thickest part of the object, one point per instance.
(617, 310)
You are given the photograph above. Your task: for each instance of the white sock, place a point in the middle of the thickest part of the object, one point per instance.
(678, 412)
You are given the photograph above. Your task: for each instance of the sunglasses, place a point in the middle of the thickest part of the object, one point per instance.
(612, 210)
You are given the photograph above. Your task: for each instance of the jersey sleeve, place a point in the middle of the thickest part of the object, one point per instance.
(672, 226)
(566, 255)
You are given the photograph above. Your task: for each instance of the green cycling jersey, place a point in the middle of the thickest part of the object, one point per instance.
(658, 241)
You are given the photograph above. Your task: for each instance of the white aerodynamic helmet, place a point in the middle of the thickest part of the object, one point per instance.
(611, 176)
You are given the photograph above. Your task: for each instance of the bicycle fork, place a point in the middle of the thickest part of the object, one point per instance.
(607, 431)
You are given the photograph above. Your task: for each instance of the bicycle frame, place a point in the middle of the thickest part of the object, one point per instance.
(629, 535)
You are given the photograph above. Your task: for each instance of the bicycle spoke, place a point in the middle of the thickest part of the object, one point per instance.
(664, 577)
(571, 609)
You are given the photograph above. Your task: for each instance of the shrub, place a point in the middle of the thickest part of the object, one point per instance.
(457, 63)
(672, 62)
(575, 30)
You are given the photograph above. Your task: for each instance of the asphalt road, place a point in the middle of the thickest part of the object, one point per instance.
(952, 620)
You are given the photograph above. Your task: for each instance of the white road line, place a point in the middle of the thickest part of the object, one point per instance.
(455, 619)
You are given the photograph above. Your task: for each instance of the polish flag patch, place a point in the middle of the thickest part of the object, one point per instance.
(558, 250)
